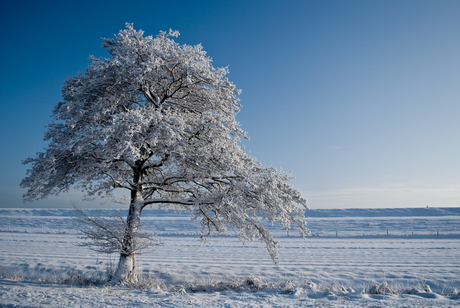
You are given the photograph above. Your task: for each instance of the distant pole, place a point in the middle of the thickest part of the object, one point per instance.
(387, 232)
(336, 233)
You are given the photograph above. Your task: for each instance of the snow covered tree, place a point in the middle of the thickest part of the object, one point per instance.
(158, 120)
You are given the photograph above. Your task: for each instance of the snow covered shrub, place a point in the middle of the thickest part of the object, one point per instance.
(255, 283)
(381, 289)
(252, 283)
(289, 287)
(337, 288)
(420, 288)
(8, 274)
(310, 285)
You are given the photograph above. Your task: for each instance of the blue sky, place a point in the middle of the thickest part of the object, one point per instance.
(360, 99)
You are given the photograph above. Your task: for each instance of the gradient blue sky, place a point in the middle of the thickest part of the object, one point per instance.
(360, 99)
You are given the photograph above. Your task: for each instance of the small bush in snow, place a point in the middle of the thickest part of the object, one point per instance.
(383, 288)
(420, 289)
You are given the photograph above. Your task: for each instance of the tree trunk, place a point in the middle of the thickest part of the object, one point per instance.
(126, 269)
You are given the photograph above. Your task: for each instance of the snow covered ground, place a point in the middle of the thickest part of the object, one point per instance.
(410, 256)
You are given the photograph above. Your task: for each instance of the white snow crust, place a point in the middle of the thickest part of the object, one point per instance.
(347, 260)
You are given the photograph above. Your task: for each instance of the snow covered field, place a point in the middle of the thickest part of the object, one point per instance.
(412, 254)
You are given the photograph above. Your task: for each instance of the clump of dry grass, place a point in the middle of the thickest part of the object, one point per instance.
(383, 288)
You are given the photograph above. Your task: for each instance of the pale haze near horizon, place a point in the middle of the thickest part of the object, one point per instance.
(360, 99)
